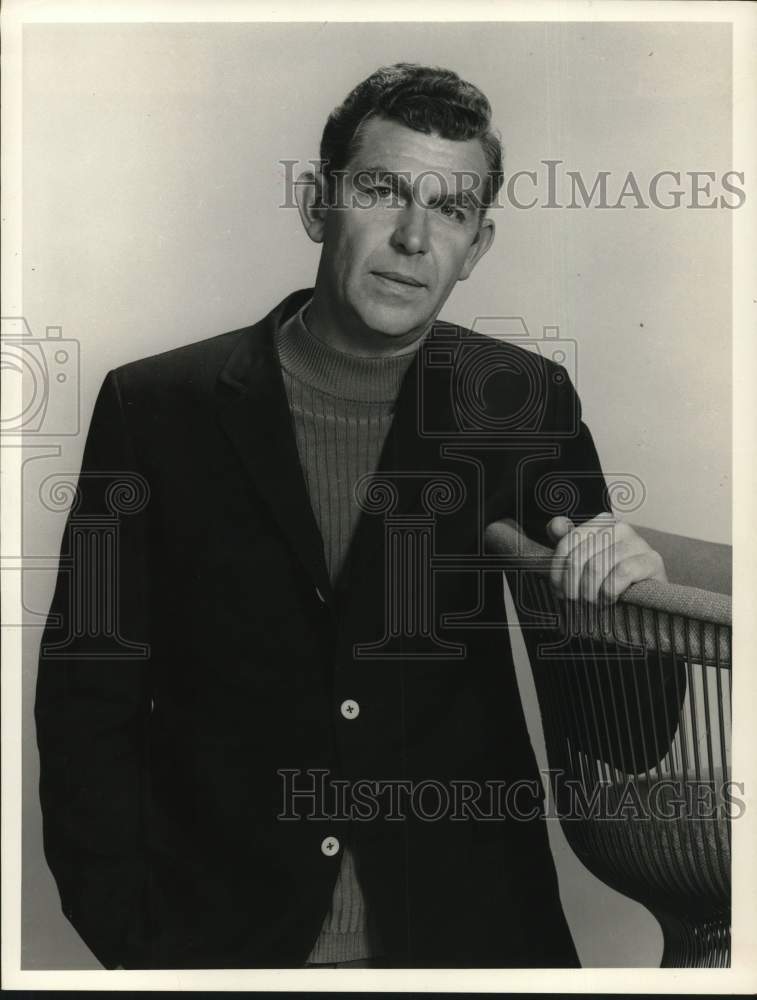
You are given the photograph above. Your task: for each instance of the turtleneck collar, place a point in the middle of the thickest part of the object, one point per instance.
(346, 376)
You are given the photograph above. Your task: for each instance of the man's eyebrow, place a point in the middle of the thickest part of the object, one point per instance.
(381, 171)
(462, 199)
(465, 199)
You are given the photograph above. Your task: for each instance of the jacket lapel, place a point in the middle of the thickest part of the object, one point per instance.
(254, 413)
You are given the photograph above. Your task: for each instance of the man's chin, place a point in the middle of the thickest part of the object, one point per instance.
(396, 324)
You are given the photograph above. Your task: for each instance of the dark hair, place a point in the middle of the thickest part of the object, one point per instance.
(428, 99)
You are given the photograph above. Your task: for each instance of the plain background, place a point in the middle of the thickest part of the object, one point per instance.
(152, 187)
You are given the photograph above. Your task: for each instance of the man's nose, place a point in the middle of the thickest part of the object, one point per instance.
(411, 232)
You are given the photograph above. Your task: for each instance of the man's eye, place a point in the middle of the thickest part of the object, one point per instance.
(383, 190)
(452, 212)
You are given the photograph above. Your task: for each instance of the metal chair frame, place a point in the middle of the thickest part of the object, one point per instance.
(601, 674)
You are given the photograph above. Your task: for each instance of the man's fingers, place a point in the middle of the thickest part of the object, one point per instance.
(598, 567)
(633, 569)
(591, 553)
(600, 559)
(568, 540)
(575, 549)
(558, 527)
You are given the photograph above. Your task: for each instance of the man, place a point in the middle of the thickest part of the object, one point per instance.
(298, 477)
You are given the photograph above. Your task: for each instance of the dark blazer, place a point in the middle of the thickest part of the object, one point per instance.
(202, 651)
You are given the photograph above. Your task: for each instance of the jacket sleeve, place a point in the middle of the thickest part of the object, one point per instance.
(565, 477)
(621, 710)
(93, 696)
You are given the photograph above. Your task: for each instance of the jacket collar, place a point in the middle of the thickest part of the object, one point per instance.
(254, 413)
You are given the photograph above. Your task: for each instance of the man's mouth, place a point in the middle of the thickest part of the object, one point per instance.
(400, 279)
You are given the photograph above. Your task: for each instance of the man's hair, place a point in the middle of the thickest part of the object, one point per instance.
(427, 99)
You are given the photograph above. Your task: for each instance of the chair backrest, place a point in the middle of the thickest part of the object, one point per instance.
(692, 562)
(636, 707)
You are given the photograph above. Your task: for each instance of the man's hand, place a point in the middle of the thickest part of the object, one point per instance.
(598, 560)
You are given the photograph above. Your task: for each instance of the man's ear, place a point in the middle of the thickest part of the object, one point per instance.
(312, 203)
(481, 243)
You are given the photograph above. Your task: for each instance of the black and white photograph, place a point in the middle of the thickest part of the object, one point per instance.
(378, 468)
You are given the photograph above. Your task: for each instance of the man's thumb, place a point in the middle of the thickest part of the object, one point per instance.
(559, 527)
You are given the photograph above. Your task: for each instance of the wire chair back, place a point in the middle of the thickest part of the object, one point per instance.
(636, 708)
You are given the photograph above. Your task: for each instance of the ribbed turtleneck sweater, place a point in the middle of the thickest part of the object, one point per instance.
(342, 407)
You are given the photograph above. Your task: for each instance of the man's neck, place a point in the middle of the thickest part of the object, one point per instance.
(311, 362)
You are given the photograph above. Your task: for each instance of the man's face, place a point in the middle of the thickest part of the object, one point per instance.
(400, 240)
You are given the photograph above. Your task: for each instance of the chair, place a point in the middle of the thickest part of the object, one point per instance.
(636, 708)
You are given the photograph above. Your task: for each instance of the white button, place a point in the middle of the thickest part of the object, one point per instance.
(330, 846)
(319, 595)
(350, 709)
